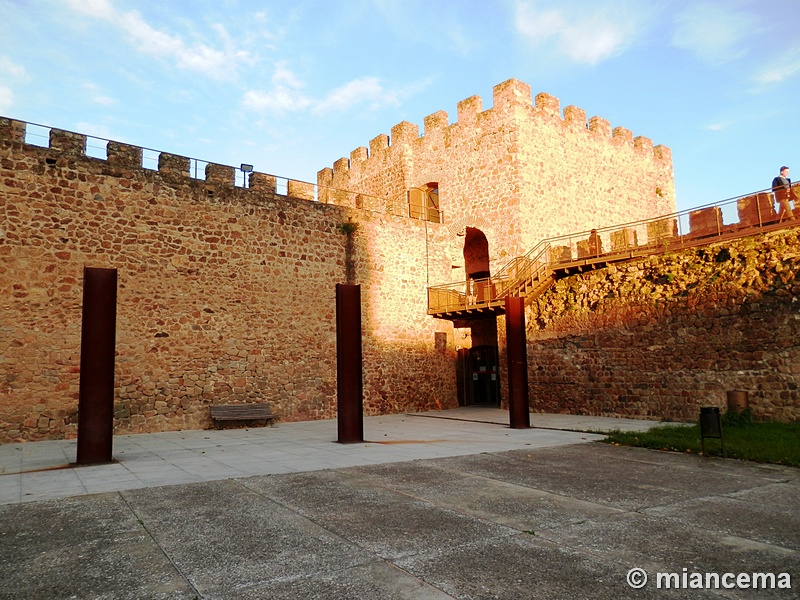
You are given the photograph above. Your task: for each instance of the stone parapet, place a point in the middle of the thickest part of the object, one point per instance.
(67, 142)
(11, 130)
(220, 175)
(124, 155)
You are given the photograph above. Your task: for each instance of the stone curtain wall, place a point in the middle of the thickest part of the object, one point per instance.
(661, 337)
(518, 171)
(225, 294)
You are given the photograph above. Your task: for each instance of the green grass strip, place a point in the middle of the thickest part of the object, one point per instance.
(776, 443)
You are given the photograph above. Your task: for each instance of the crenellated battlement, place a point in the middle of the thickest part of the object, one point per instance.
(512, 166)
(513, 106)
(435, 123)
(172, 168)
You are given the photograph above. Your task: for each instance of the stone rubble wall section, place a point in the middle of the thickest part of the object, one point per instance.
(519, 171)
(666, 335)
(225, 294)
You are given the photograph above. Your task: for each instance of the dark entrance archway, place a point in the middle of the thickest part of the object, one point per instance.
(476, 254)
(481, 372)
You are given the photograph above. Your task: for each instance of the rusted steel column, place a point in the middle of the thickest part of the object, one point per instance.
(349, 366)
(96, 392)
(517, 355)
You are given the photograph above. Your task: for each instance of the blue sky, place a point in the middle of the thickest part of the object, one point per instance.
(291, 86)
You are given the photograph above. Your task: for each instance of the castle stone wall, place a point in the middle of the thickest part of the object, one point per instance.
(664, 336)
(225, 294)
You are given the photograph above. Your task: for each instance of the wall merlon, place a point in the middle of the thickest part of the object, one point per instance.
(378, 143)
(68, 142)
(469, 109)
(662, 152)
(643, 145)
(438, 121)
(548, 105)
(575, 116)
(510, 94)
(124, 155)
(220, 175)
(264, 183)
(622, 136)
(325, 177)
(12, 130)
(341, 166)
(600, 126)
(300, 190)
(324, 185)
(173, 164)
(360, 154)
(404, 133)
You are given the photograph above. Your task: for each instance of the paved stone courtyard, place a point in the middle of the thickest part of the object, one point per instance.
(553, 521)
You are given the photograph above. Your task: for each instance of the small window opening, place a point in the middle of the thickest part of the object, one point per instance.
(423, 203)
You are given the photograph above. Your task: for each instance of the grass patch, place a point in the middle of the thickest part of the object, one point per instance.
(776, 443)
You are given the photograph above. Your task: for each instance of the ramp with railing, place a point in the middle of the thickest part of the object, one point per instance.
(530, 275)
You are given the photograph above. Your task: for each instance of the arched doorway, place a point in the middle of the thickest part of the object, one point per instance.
(476, 254)
(481, 363)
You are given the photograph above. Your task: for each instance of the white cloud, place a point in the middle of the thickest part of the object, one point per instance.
(365, 90)
(96, 96)
(92, 129)
(286, 95)
(716, 126)
(214, 62)
(588, 36)
(6, 99)
(102, 9)
(11, 68)
(285, 78)
(784, 68)
(278, 99)
(713, 32)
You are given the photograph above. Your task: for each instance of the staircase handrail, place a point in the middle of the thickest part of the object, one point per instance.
(664, 229)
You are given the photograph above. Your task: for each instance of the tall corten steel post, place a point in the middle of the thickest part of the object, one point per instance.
(98, 338)
(518, 409)
(349, 366)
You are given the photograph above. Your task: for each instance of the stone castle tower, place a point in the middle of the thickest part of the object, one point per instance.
(517, 172)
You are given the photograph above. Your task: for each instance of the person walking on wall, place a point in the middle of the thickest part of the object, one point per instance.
(782, 189)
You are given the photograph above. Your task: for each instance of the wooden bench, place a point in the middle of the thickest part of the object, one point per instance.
(253, 411)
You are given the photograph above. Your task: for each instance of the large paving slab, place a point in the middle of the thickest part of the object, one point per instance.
(86, 547)
(640, 480)
(557, 522)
